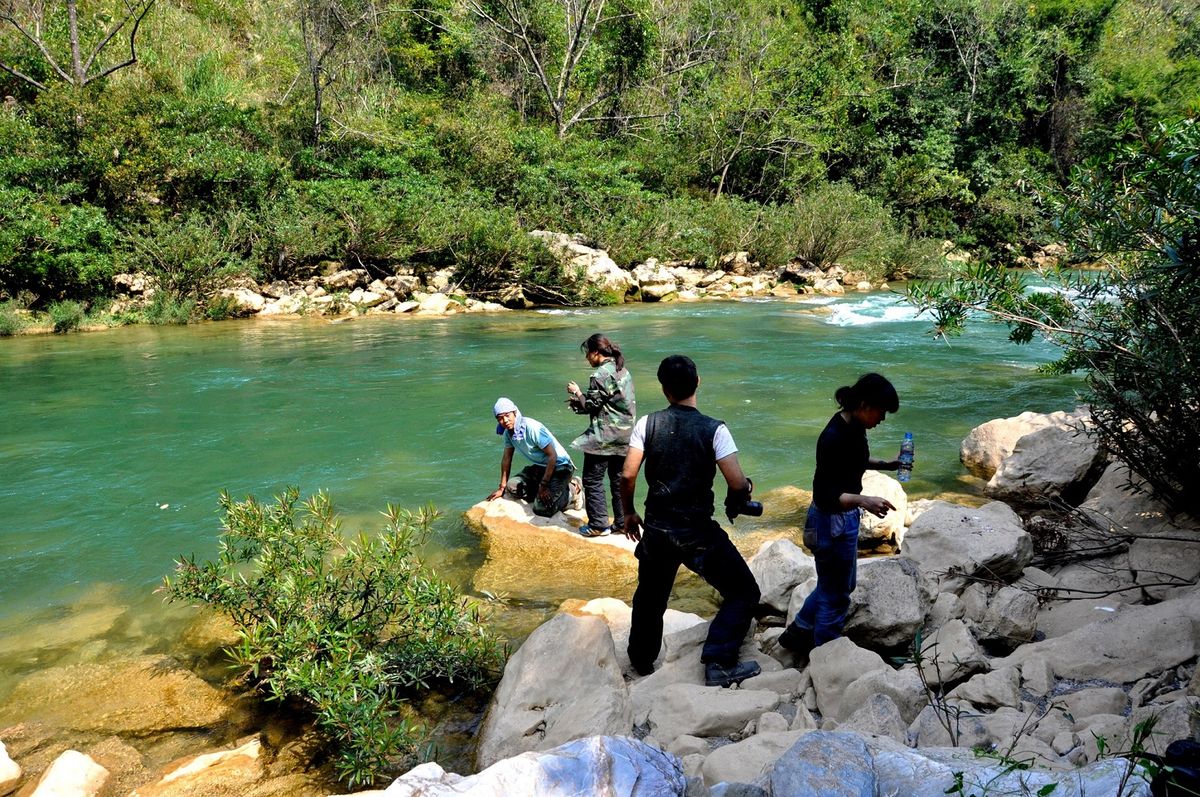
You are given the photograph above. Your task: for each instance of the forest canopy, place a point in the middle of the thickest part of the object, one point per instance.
(200, 139)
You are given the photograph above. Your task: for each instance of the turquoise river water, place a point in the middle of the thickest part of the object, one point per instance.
(114, 445)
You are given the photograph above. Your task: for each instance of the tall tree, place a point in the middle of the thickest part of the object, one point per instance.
(36, 20)
(331, 29)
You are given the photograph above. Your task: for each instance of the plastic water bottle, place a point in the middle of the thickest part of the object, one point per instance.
(906, 458)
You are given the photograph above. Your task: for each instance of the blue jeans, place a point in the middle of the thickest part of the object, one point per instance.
(833, 540)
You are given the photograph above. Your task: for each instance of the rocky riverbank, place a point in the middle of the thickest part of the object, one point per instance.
(1049, 635)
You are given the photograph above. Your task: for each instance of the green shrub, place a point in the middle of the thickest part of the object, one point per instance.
(164, 309)
(349, 627)
(65, 316)
(220, 307)
(190, 257)
(10, 319)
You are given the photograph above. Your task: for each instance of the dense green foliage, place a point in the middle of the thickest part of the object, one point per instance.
(347, 627)
(275, 139)
(1131, 326)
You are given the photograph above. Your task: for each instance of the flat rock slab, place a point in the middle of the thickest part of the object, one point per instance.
(535, 557)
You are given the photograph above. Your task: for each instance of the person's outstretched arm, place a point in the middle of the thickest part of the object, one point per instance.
(505, 467)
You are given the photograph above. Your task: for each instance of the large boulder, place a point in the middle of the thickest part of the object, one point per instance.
(592, 265)
(1003, 615)
(138, 697)
(655, 283)
(618, 615)
(563, 684)
(952, 654)
(830, 764)
(834, 666)
(890, 603)
(1166, 550)
(1057, 461)
(903, 687)
(989, 444)
(878, 715)
(536, 558)
(600, 765)
(876, 531)
(346, 279)
(934, 772)
(954, 543)
(243, 301)
(684, 708)
(779, 567)
(746, 761)
(1121, 648)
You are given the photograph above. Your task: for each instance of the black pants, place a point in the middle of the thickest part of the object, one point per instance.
(527, 483)
(707, 551)
(594, 468)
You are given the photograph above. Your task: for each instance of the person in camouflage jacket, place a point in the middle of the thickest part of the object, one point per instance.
(611, 407)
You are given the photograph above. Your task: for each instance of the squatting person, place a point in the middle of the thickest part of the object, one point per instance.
(547, 482)
(831, 528)
(611, 407)
(682, 450)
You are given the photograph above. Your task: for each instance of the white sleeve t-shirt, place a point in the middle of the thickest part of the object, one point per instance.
(723, 444)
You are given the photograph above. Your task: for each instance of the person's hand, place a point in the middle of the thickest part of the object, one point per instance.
(573, 389)
(893, 465)
(544, 493)
(633, 526)
(875, 505)
(498, 492)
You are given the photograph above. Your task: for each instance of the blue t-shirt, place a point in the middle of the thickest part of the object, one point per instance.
(536, 438)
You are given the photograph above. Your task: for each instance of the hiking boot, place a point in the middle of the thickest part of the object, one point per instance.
(796, 640)
(716, 675)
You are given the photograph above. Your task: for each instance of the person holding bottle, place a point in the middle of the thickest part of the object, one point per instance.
(611, 407)
(831, 528)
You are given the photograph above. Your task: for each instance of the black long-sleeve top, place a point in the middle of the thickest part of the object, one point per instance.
(842, 458)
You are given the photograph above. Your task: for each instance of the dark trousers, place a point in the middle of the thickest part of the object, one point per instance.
(526, 485)
(595, 466)
(707, 551)
(833, 539)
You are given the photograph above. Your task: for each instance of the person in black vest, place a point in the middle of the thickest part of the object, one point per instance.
(682, 450)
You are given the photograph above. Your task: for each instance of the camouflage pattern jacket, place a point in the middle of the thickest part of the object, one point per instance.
(610, 403)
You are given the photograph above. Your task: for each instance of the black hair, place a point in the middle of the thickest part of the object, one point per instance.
(600, 344)
(678, 377)
(870, 389)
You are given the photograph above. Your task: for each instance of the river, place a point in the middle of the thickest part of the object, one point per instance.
(114, 445)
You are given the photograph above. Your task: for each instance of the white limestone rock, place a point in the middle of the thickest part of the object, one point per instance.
(878, 716)
(683, 708)
(889, 528)
(991, 689)
(599, 765)
(1003, 615)
(10, 771)
(748, 760)
(563, 683)
(594, 266)
(779, 567)
(72, 774)
(902, 686)
(989, 444)
(1121, 647)
(834, 666)
(951, 543)
(346, 279)
(890, 603)
(655, 283)
(1057, 461)
(952, 654)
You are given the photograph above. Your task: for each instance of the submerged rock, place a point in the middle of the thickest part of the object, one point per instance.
(142, 696)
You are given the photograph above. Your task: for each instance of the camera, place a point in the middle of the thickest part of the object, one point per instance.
(737, 502)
